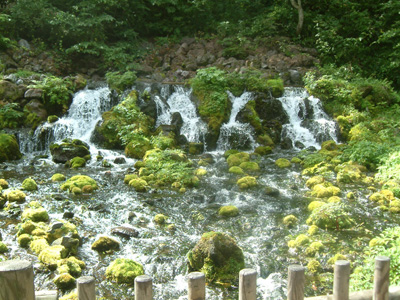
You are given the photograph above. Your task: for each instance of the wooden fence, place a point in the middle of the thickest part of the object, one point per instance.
(17, 283)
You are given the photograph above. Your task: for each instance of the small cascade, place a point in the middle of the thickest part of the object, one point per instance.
(193, 127)
(84, 113)
(308, 124)
(235, 134)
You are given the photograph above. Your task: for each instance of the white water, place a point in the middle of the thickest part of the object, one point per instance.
(322, 128)
(193, 127)
(234, 133)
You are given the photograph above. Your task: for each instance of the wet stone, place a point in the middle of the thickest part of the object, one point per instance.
(68, 215)
(119, 160)
(125, 231)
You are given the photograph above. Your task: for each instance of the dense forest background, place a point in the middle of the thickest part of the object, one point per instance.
(363, 35)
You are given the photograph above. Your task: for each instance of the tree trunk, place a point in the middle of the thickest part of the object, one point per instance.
(300, 11)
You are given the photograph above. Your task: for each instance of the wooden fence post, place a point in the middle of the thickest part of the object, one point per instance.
(296, 280)
(247, 284)
(381, 279)
(16, 280)
(341, 280)
(196, 286)
(86, 287)
(143, 288)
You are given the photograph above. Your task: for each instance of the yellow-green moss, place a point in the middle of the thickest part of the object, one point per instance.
(228, 211)
(237, 158)
(29, 184)
(236, 170)
(139, 184)
(314, 266)
(290, 220)
(50, 256)
(283, 163)
(79, 181)
(160, 219)
(64, 281)
(123, 270)
(247, 182)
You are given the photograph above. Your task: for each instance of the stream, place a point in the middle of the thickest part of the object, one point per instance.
(258, 229)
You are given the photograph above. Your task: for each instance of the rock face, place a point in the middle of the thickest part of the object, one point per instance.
(68, 149)
(218, 256)
(9, 148)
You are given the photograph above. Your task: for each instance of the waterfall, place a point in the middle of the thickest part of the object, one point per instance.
(193, 127)
(234, 134)
(84, 113)
(308, 124)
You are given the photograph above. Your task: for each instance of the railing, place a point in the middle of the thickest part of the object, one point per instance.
(16, 283)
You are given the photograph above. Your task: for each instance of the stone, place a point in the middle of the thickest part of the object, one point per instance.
(33, 94)
(9, 147)
(125, 231)
(65, 281)
(105, 244)
(123, 270)
(69, 149)
(29, 184)
(228, 211)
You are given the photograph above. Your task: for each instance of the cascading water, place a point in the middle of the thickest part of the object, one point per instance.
(234, 134)
(306, 128)
(193, 127)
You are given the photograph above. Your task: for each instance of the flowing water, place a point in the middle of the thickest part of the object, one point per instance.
(258, 229)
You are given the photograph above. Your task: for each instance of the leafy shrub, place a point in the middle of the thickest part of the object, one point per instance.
(56, 90)
(121, 81)
(366, 152)
(390, 169)
(333, 216)
(11, 116)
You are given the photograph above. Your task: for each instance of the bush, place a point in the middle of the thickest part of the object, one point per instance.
(121, 81)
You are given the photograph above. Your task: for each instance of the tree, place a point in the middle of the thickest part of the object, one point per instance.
(297, 4)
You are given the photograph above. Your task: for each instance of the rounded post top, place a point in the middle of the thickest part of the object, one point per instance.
(382, 258)
(296, 268)
(143, 279)
(85, 279)
(14, 265)
(247, 272)
(342, 263)
(196, 275)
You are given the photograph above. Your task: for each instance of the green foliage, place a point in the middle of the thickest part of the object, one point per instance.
(56, 90)
(121, 81)
(367, 153)
(390, 169)
(11, 116)
(387, 244)
(333, 216)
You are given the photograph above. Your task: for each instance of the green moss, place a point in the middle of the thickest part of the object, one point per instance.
(325, 190)
(76, 191)
(247, 182)
(70, 265)
(58, 177)
(218, 257)
(70, 296)
(236, 170)
(296, 160)
(263, 150)
(335, 258)
(283, 163)
(129, 177)
(228, 153)
(15, 196)
(333, 216)
(138, 184)
(313, 230)
(160, 219)
(64, 281)
(3, 248)
(290, 220)
(200, 172)
(3, 183)
(105, 244)
(138, 147)
(9, 148)
(35, 214)
(52, 119)
(237, 159)
(79, 181)
(39, 245)
(24, 240)
(311, 182)
(315, 204)
(349, 173)
(228, 211)
(50, 256)
(65, 229)
(77, 162)
(29, 185)
(123, 270)
(250, 166)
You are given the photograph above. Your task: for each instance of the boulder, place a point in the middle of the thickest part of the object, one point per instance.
(105, 244)
(10, 92)
(69, 149)
(218, 256)
(125, 231)
(9, 148)
(123, 270)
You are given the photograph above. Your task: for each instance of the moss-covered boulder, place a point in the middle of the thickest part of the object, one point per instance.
(24, 240)
(228, 211)
(139, 184)
(283, 163)
(350, 172)
(61, 229)
(65, 281)
(105, 244)
(3, 248)
(70, 265)
(301, 240)
(290, 221)
(218, 256)
(138, 147)
(58, 177)
(76, 162)
(38, 245)
(29, 184)
(237, 158)
(35, 212)
(160, 219)
(68, 149)
(325, 190)
(314, 248)
(9, 148)
(332, 216)
(123, 270)
(311, 182)
(50, 256)
(250, 166)
(263, 150)
(236, 170)
(79, 181)
(3, 183)
(15, 196)
(247, 182)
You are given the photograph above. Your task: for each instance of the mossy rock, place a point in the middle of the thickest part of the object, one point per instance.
(3, 248)
(138, 148)
(335, 258)
(378, 197)
(70, 265)
(290, 220)
(228, 211)
(329, 146)
(325, 190)
(263, 150)
(296, 160)
(129, 177)
(283, 163)
(29, 184)
(87, 189)
(60, 229)
(218, 257)
(331, 216)
(24, 240)
(79, 181)
(139, 184)
(247, 182)
(38, 245)
(68, 149)
(229, 152)
(123, 270)
(236, 170)
(237, 159)
(196, 148)
(65, 281)
(250, 166)
(349, 173)
(4, 184)
(77, 162)
(70, 296)
(200, 172)
(160, 219)
(52, 119)
(58, 177)
(50, 256)
(15, 196)
(311, 182)
(9, 148)
(314, 204)
(105, 244)
(35, 214)
(333, 199)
